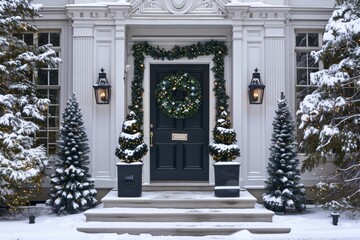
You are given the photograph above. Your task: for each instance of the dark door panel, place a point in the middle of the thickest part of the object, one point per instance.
(179, 149)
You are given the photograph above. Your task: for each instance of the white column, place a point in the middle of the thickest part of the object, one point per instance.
(119, 91)
(274, 76)
(83, 77)
(255, 113)
(238, 99)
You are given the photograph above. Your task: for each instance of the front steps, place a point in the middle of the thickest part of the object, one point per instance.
(180, 213)
(179, 199)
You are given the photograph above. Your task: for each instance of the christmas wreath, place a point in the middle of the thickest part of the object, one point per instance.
(165, 95)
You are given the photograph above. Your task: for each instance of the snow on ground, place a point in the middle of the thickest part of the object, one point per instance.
(314, 224)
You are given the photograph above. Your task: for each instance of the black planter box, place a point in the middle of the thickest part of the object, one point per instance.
(129, 179)
(227, 179)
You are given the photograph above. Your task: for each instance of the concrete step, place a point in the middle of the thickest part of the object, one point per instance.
(179, 199)
(178, 215)
(182, 228)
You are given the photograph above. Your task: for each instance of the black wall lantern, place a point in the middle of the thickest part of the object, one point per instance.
(102, 89)
(256, 89)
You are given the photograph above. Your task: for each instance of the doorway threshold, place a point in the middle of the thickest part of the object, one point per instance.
(178, 186)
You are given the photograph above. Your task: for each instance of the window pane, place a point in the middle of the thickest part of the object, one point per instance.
(55, 39)
(52, 136)
(54, 111)
(54, 123)
(52, 149)
(54, 77)
(313, 39)
(29, 39)
(301, 39)
(301, 59)
(43, 93)
(43, 39)
(54, 96)
(301, 77)
(42, 77)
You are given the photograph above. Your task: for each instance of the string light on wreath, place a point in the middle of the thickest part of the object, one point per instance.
(166, 91)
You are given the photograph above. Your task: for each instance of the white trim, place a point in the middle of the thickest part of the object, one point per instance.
(148, 61)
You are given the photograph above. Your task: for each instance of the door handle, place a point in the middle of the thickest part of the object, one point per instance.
(151, 138)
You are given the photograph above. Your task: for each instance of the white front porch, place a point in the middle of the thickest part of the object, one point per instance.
(106, 32)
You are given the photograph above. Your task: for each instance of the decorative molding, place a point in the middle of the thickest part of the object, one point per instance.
(178, 7)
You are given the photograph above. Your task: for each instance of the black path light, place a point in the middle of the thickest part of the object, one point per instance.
(335, 217)
(256, 89)
(32, 214)
(102, 89)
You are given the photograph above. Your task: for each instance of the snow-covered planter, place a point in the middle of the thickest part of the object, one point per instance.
(130, 151)
(129, 179)
(227, 179)
(224, 151)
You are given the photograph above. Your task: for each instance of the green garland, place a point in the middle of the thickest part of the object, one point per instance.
(211, 48)
(215, 48)
(174, 108)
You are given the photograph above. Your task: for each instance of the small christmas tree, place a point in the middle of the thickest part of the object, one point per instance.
(73, 189)
(283, 189)
(224, 148)
(131, 146)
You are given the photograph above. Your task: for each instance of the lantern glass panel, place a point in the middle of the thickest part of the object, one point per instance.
(102, 95)
(256, 95)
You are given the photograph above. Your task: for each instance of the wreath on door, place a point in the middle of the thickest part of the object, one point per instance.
(166, 91)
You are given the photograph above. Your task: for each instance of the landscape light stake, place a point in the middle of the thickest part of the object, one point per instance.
(335, 217)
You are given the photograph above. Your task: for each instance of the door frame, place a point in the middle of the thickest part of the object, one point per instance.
(146, 101)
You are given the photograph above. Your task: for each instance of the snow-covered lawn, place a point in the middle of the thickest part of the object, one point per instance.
(314, 224)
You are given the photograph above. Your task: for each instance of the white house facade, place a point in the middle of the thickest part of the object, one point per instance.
(274, 36)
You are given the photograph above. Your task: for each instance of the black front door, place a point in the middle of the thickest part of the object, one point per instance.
(179, 147)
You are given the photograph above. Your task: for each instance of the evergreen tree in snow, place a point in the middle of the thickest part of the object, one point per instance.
(131, 147)
(283, 187)
(224, 148)
(73, 189)
(330, 115)
(22, 164)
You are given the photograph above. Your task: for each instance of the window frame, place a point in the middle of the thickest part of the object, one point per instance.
(47, 135)
(304, 87)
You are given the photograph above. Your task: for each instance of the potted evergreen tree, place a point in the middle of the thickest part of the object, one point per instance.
(130, 150)
(224, 151)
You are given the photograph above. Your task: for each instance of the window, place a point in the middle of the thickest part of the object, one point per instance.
(305, 43)
(48, 85)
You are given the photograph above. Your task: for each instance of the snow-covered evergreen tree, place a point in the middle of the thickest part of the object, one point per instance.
(131, 147)
(224, 148)
(73, 188)
(22, 164)
(283, 187)
(330, 116)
